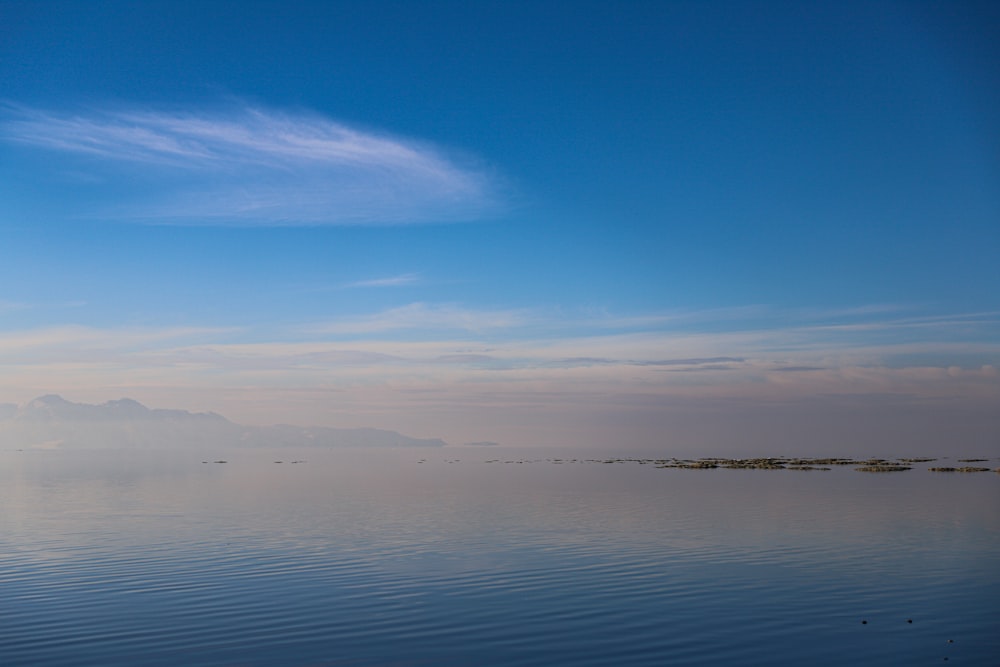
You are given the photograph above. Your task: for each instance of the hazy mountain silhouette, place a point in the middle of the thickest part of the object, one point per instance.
(53, 422)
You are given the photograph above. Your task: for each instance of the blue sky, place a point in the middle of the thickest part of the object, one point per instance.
(686, 223)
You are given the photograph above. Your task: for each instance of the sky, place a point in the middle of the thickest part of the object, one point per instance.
(761, 226)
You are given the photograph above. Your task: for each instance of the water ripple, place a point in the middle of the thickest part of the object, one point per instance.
(458, 570)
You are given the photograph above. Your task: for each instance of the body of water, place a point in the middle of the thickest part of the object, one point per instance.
(488, 556)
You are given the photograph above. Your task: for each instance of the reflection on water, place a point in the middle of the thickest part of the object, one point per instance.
(435, 557)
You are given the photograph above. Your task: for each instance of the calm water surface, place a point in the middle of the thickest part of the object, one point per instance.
(439, 557)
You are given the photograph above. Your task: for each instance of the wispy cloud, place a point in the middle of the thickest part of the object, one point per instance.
(255, 166)
(390, 281)
(11, 306)
(426, 317)
(79, 340)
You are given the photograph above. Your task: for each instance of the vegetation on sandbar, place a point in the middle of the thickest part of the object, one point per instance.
(769, 463)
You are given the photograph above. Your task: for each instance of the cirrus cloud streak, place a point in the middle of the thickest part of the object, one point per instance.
(255, 166)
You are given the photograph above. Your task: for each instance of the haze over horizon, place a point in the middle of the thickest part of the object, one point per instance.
(731, 225)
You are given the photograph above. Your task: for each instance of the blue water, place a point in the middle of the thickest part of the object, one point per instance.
(439, 557)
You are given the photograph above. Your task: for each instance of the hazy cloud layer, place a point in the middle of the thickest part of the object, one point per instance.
(476, 343)
(255, 166)
(527, 370)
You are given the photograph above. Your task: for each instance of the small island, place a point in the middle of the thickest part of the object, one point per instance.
(872, 465)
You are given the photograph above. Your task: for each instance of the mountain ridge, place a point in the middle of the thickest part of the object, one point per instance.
(52, 422)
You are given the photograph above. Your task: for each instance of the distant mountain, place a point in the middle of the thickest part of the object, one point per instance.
(53, 422)
(54, 408)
